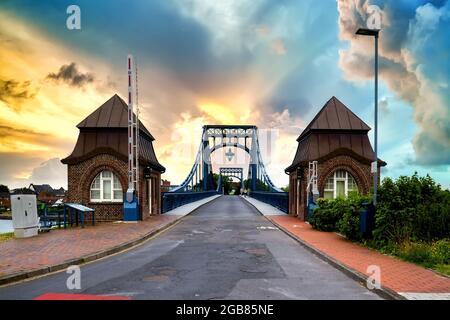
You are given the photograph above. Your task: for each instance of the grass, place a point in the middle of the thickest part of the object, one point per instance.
(434, 255)
(6, 236)
(6, 213)
(443, 268)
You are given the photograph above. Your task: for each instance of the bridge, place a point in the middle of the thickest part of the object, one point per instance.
(237, 173)
(201, 182)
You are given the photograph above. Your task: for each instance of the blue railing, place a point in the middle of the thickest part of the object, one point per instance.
(172, 200)
(279, 200)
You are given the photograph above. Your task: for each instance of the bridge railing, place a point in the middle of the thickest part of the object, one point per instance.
(172, 200)
(278, 200)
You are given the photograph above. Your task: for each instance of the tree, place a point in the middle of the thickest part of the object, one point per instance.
(4, 188)
(260, 185)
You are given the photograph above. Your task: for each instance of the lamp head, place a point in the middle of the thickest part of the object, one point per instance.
(368, 32)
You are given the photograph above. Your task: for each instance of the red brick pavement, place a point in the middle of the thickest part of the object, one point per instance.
(60, 246)
(396, 275)
(71, 297)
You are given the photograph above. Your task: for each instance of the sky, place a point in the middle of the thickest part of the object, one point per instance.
(270, 63)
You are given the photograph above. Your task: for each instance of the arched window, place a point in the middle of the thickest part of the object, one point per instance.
(339, 184)
(106, 187)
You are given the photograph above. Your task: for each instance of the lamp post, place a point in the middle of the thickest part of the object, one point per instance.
(374, 33)
(148, 176)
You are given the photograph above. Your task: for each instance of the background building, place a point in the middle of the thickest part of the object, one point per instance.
(97, 167)
(337, 139)
(165, 186)
(45, 193)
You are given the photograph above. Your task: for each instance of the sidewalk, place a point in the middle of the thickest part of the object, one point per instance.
(398, 278)
(56, 250)
(264, 208)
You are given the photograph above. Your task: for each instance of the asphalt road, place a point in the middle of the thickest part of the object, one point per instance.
(224, 250)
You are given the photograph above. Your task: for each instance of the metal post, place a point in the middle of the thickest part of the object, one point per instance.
(375, 176)
(374, 167)
(205, 164)
(150, 195)
(136, 132)
(254, 162)
(297, 209)
(130, 130)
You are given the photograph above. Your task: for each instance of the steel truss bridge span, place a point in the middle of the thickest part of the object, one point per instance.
(200, 183)
(214, 137)
(237, 173)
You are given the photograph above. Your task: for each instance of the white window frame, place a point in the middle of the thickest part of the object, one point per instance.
(103, 178)
(336, 179)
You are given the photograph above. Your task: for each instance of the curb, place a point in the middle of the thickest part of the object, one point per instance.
(9, 279)
(84, 259)
(383, 292)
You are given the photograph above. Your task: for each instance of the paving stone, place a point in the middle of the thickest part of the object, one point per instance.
(399, 276)
(62, 246)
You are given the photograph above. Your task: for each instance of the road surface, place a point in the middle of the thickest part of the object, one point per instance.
(224, 250)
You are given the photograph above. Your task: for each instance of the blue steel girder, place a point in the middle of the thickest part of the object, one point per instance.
(237, 173)
(230, 144)
(202, 169)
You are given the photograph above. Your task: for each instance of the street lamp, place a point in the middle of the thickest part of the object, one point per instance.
(374, 33)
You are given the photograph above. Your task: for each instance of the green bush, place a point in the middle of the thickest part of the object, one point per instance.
(341, 214)
(419, 252)
(434, 255)
(411, 209)
(349, 224)
(412, 220)
(441, 251)
(325, 216)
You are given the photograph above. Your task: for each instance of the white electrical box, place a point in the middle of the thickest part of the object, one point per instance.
(374, 167)
(24, 215)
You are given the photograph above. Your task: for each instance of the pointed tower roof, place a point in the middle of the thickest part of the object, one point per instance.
(335, 130)
(111, 114)
(105, 131)
(334, 115)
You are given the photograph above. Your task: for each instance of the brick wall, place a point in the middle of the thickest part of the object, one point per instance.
(80, 177)
(297, 205)
(360, 172)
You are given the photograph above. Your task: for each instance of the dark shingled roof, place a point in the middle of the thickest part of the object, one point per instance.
(38, 188)
(334, 130)
(334, 115)
(105, 131)
(111, 114)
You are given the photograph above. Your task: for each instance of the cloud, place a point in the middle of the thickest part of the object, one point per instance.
(19, 170)
(13, 92)
(16, 168)
(383, 104)
(19, 140)
(278, 47)
(200, 58)
(412, 32)
(70, 74)
(229, 23)
(6, 131)
(52, 172)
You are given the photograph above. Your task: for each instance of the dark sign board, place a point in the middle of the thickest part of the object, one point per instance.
(147, 172)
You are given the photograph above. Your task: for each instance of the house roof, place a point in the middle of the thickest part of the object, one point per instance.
(111, 114)
(334, 115)
(335, 130)
(38, 188)
(105, 131)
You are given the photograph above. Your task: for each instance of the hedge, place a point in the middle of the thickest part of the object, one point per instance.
(341, 214)
(408, 209)
(412, 209)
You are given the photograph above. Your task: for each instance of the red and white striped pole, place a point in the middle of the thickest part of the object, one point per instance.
(130, 128)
